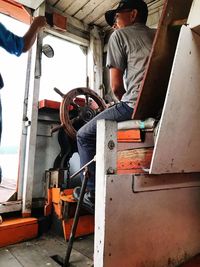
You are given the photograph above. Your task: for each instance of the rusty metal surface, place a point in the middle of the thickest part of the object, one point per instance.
(146, 182)
(149, 228)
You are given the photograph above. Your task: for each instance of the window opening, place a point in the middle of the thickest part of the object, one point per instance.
(13, 70)
(65, 71)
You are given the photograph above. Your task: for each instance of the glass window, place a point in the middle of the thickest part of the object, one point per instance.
(65, 71)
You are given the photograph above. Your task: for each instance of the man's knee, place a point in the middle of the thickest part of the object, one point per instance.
(80, 134)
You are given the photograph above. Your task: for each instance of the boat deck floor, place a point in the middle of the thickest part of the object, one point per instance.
(41, 252)
(47, 249)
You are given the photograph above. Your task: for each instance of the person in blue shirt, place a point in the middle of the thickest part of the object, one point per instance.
(17, 45)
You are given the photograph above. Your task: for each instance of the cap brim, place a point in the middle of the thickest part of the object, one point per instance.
(110, 17)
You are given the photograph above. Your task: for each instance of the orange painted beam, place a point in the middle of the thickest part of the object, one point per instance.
(49, 104)
(13, 231)
(15, 10)
(129, 136)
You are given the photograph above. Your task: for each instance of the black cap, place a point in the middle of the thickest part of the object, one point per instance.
(110, 17)
(140, 5)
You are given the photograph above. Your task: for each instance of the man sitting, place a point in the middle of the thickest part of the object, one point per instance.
(128, 51)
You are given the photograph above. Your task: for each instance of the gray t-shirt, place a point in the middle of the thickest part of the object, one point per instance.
(128, 50)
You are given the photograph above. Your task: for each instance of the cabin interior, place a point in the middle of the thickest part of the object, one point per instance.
(147, 201)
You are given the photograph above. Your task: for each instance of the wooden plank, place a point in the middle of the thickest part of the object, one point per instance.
(81, 255)
(30, 255)
(10, 206)
(177, 146)
(155, 12)
(75, 7)
(194, 20)
(88, 8)
(129, 136)
(148, 142)
(69, 37)
(7, 259)
(99, 10)
(48, 246)
(52, 2)
(70, 20)
(85, 246)
(134, 160)
(63, 4)
(153, 89)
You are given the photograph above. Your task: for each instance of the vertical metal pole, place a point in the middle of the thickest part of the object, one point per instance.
(76, 218)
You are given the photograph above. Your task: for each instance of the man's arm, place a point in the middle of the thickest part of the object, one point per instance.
(12, 43)
(29, 38)
(116, 81)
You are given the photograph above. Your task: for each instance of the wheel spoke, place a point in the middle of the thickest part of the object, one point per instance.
(74, 104)
(86, 100)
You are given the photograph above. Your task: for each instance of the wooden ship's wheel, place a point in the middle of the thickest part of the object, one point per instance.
(78, 106)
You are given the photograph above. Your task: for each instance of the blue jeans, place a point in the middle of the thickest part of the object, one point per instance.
(86, 136)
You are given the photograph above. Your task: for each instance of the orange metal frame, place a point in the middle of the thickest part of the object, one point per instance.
(55, 203)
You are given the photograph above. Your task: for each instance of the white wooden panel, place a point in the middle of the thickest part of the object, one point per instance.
(63, 4)
(87, 9)
(34, 4)
(194, 17)
(52, 2)
(75, 6)
(100, 10)
(149, 228)
(178, 144)
(105, 163)
(69, 37)
(10, 207)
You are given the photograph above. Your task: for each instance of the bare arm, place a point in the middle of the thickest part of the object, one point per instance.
(116, 80)
(29, 38)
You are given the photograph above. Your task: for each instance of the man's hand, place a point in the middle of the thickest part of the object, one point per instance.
(109, 105)
(39, 23)
(116, 80)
